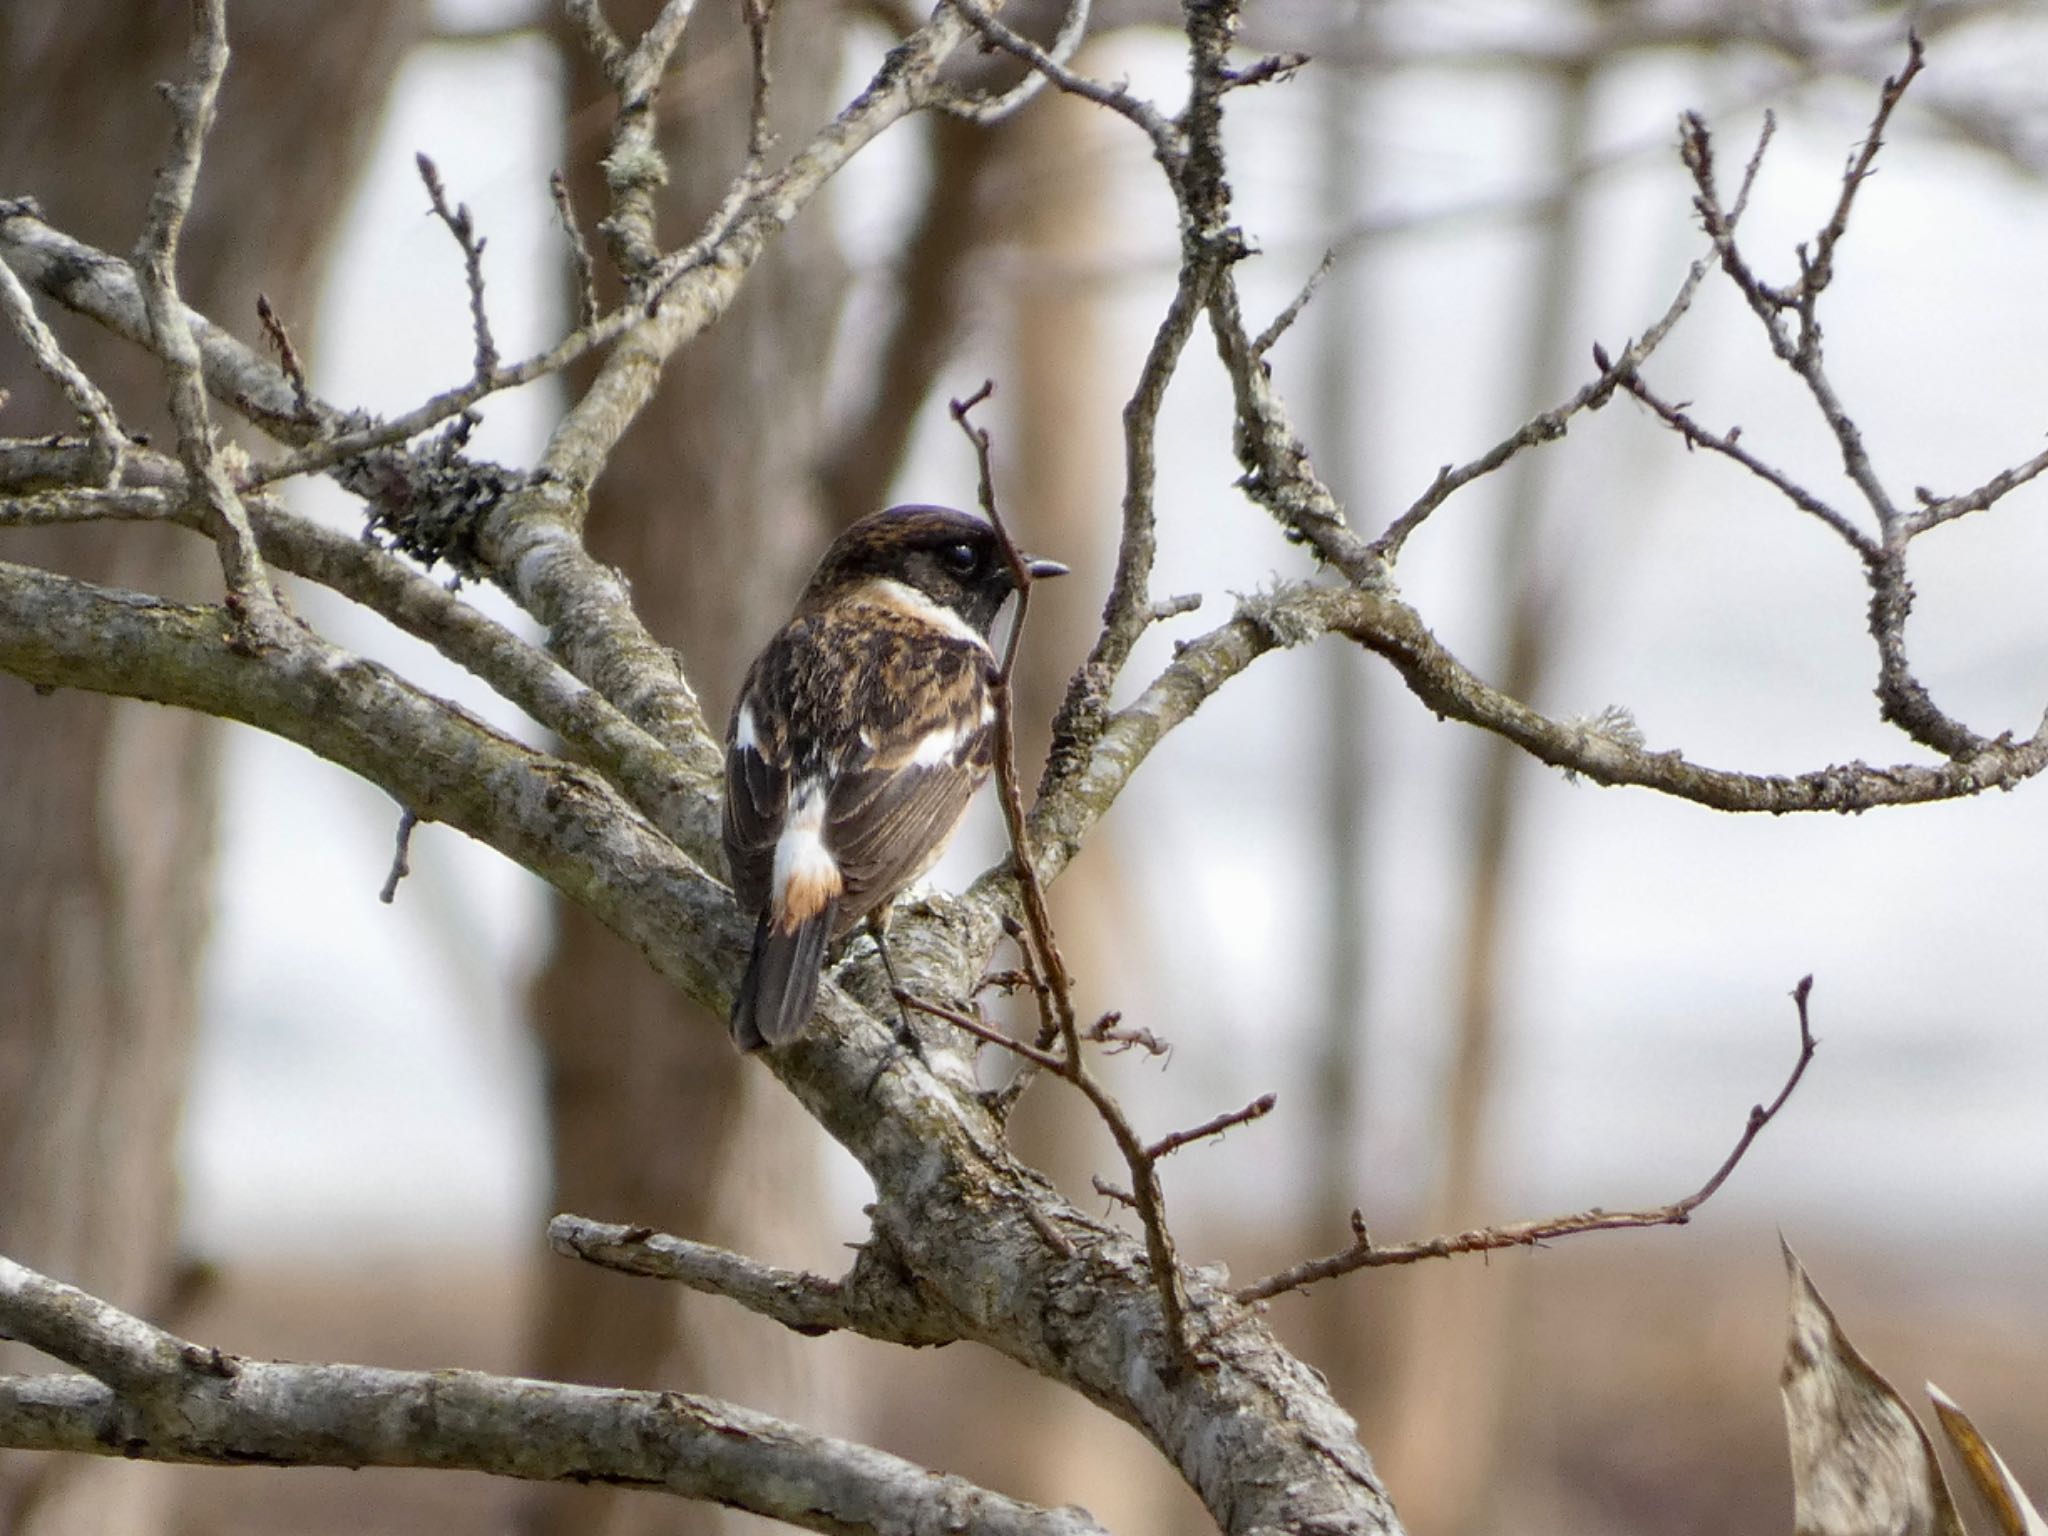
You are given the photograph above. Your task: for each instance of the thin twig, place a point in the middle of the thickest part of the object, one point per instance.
(1168, 146)
(579, 252)
(805, 1303)
(1284, 321)
(1820, 269)
(1548, 425)
(1903, 700)
(1128, 611)
(94, 409)
(1364, 1253)
(1551, 424)
(1215, 1126)
(401, 855)
(1802, 352)
(1728, 445)
(463, 228)
(760, 137)
(287, 354)
(1045, 64)
(1935, 511)
(982, 1031)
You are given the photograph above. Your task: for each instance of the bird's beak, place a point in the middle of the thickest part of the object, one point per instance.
(1040, 569)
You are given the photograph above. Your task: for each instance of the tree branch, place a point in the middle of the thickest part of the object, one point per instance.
(1364, 1253)
(170, 329)
(159, 1398)
(878, 1300)
(95, 411)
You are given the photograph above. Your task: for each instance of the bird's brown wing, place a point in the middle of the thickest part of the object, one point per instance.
(888, 821)
(756, 794)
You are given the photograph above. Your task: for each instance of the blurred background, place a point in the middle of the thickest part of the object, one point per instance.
(240, 1095)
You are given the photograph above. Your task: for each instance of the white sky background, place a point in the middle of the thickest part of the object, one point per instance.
(371, 1084)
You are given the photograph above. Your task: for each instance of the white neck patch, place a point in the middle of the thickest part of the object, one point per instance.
(907, 599)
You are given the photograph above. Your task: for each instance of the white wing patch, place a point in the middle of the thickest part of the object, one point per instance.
(939, 746)
(745, 734)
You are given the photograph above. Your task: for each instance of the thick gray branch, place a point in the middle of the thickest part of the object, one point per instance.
(160, 1398)
(554, 817)
(1601, 749)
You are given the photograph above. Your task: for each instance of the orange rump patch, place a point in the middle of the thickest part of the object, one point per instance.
(807, 892)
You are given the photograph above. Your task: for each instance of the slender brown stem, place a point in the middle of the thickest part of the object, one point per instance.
(1364, 1253)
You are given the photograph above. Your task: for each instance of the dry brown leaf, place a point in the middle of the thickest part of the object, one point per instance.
(1861, 1463)
(1995, 1484)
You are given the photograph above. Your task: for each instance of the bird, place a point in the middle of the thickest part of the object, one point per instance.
(859, 735)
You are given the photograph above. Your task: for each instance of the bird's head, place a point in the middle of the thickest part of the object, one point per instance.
(952, 559)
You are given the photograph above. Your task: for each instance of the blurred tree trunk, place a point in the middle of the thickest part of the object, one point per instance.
(711, 508)
(1456, 1341)
(106, 828)
(1346, 1349)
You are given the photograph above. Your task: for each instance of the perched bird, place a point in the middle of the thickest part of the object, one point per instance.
(860, 734)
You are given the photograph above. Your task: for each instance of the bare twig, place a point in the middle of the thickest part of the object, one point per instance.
(579, 252)
(463, 228)
(1935, 511)
(1270, 70)
(1903, 700)
(1364, 1253)
(1728, 445)
(1818, 270)
(983, 1031)
(1550, 424)
(1284, 321)
(1128, 611)
(401, 855)
(94, 410)
(1045, 63)
(1166, 139)
(1214, 1126)
(1111, 1192)
(760, 138)
(287, 354)
(1802, 352)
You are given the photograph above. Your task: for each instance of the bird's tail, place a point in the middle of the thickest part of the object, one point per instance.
(781, 985)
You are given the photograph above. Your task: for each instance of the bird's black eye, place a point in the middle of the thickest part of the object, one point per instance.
(962, 558)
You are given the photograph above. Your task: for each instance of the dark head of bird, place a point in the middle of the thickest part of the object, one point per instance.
(954, 559)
